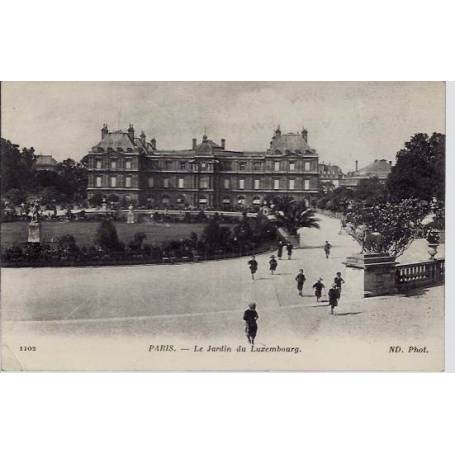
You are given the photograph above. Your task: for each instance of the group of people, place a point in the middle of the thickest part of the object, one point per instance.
(251, 316)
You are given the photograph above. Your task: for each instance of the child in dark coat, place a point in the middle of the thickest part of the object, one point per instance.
(333, 297)
(273, 264)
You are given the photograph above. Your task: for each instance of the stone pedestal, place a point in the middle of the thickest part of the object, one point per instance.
(34, 232)
(378, 273)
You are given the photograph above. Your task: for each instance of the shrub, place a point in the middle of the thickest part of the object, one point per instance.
(106, 236)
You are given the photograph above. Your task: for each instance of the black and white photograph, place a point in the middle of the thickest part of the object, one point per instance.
(222, 226)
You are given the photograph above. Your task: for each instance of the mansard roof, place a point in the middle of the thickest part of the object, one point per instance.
(379, 168)
(290, 143)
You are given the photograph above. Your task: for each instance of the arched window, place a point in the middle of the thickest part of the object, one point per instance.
(256, 200)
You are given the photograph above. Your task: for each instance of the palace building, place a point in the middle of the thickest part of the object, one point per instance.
(128, 168)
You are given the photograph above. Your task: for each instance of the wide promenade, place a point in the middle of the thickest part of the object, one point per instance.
(206, 300)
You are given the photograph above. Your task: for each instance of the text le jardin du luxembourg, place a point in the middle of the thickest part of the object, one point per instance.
(224, 348)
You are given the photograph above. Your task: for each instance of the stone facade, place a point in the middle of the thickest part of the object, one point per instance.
(207, 175)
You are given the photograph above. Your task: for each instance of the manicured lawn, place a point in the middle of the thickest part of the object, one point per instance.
(84, 232)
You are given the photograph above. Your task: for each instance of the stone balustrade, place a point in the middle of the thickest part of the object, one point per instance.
(419, 274)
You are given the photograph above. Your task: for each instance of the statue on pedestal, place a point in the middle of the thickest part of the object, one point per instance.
(130, 218)
(34, 227)
(104, 205)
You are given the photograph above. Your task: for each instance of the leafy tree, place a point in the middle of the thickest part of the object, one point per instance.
(386, 228)
(371, 191)
(106, 236)
(293, 215)
(16, 167)
(96, 200)
(215, 236)
(15, 196)
(420, 169)
(75, 176)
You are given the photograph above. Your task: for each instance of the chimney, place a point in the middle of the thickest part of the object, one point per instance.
(104, 131)
(143, 137)
(131, 132)
(153, 142)
(194, 143)
(305, 134)
(390, 162)
(223, 144)
(356, 165)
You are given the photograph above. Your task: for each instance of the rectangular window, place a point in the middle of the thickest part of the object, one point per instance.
(241, 184)
(307, 166)
(182, 165)
(277, 166)
(226, 184)
(292, 166)
(151, 182)
(166, 182)
(168, 164)
(276, 184)
(292, 184)
(242, 165)
(113, 181)
(99, 164)
(128, 164)
(257, 165)
(99, 181)
(204, 182)
(114, 164)
(257, 184)
(181, 182)
(227, 166)
(306, 184)
(128, 182)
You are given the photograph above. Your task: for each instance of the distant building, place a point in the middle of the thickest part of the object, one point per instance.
(330, 174)
(207, 175)
(45, 163)
(379, 168)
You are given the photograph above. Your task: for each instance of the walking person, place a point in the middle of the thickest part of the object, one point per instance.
(338, 280)
(333, 297)
(327, 248)
(280, 250)
(289, 248)
(318, 287)
(250, 316)
(300, 278)
(253, 264)
(273, 264)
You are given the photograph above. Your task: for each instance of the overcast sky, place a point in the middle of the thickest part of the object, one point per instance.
(345, 121)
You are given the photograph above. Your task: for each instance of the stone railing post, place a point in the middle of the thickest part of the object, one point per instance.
(375, 274)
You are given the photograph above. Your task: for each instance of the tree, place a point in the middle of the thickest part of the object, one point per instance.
(386, 228)
(293, 215)
(371, 191)
(15, 196)
(420, 169)
(16, 167)
(96, 200)
(106, 236)
(215, 236)
(75, 178)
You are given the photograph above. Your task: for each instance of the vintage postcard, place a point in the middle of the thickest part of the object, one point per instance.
(236, 226)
